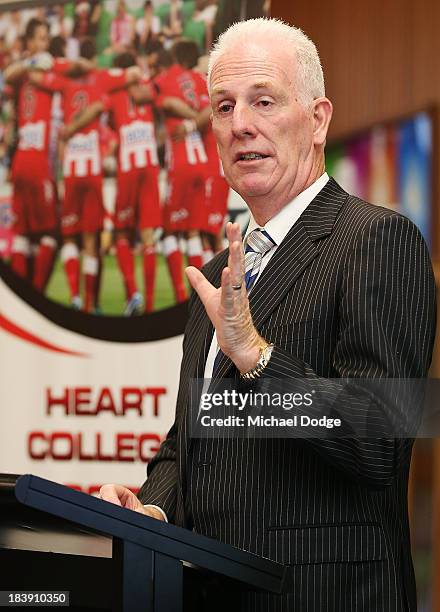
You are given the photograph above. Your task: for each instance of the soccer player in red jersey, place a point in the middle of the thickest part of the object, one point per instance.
(185, 210)
(83, 207)
(34, 194)
(137, 201)
(216, 187)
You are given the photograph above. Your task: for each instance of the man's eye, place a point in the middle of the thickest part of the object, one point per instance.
(224, 108)
(265, 103)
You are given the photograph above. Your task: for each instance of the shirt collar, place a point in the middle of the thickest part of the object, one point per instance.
(278, 226)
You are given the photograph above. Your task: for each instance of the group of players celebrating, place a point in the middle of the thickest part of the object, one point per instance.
(195, 204)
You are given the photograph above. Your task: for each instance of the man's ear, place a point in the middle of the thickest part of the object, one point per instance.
(322, 114)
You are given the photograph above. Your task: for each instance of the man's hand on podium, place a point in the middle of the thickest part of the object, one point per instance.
(121, 496)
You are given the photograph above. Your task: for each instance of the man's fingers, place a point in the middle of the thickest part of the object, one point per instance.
(236, 256)
(199, 283)
(227, 291)
(120, 496)
(233, 232)
(110, 493)
(236, 265)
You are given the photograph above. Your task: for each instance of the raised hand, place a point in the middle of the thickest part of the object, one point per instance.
(228, 306)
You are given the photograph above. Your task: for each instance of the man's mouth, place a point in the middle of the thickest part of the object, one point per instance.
(250, 156)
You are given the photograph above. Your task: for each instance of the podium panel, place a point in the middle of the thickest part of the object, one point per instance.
(109, 558)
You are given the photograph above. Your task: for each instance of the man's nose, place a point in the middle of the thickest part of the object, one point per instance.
(243, 123)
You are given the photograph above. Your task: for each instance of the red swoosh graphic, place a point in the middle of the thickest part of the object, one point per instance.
(15, 330)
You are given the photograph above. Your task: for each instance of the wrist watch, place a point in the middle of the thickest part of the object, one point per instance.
(265, 353)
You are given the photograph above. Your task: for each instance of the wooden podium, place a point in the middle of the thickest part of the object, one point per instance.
(110, 558)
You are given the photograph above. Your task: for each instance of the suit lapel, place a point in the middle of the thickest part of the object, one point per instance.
(294, 254)
(298, 249)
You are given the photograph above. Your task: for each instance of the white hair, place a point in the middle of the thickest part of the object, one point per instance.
(309, 77)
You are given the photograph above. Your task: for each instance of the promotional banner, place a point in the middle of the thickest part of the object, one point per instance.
(107, 192)
(81, 410)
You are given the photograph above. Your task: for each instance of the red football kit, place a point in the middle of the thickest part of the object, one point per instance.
(34, 198)
(83, 207)
(216, 186)
(186, 160)
(137, 200)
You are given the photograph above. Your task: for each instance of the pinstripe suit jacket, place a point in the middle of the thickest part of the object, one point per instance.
(349, 293)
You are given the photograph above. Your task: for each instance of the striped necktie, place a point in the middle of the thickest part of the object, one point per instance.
(257, 244)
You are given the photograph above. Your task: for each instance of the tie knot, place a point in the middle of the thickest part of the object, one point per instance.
(259, 241)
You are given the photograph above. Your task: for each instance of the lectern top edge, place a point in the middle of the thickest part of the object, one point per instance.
(62, 501)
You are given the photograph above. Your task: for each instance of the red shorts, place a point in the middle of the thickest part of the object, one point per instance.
(83, 206)
(34, 201)
(137, 201)
(217, 192)
(185, 207)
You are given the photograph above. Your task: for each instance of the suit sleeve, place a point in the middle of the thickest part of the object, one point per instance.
(387, 326)
(160, 487)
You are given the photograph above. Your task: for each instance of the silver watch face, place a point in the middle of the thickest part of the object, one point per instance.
(267, 352)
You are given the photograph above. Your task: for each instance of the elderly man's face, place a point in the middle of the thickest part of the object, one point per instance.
(265, 136)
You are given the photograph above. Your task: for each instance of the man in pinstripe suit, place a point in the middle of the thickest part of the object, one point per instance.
(341, 289)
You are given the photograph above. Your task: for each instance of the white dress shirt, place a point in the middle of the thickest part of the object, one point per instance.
(277, 228)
